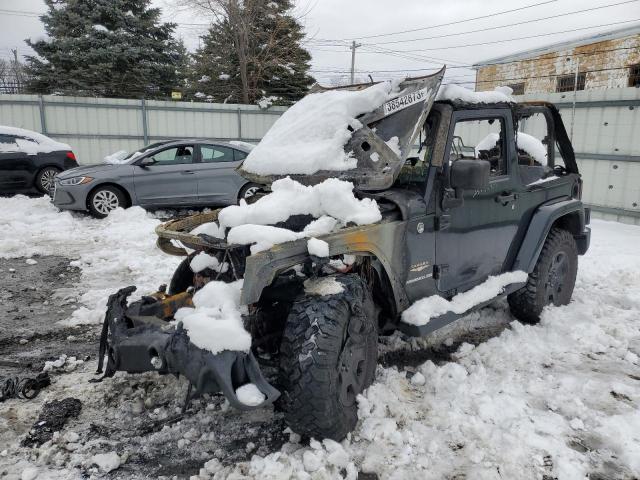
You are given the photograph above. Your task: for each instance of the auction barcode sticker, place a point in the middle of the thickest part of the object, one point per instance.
(405, 101)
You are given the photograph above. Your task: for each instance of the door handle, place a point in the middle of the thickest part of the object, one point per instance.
(188, 172)
(505, 198)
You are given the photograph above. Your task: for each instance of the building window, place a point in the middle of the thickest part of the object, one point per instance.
(566, 82)
(634, 75)
(518, 88)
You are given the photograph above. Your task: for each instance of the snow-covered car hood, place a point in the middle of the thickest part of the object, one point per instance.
(89, 169)
(359, 133)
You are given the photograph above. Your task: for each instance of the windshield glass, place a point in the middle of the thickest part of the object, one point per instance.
(122, 156)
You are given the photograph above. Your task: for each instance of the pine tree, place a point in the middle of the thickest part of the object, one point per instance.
(108, 48)
(264, 37)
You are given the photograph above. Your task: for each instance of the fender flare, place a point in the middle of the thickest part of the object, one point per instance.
(540, 225)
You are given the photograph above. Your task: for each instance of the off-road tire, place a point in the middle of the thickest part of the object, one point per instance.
(182, 277)
(46, 175)
(323, 334)
(527, 303)
(109, 190)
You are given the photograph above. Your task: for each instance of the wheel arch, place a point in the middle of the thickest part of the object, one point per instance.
(126, 192)
(567, 214)
(369, 241)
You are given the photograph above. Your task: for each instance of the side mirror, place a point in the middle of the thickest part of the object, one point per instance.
(147, 162)
(466, 174)
(470, 174)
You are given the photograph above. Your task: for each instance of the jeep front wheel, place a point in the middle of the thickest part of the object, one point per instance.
(552, 279)
(328, 356)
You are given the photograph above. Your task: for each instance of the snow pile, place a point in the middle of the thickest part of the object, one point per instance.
(32, 143)
(116, 158)
(332, 197)
(204, 260)
(117, 251)
(460, 94)
(533, 147)
(311, 135)
(331, 202)
(430, 307)
(266, 102)
(211, 228)
(250, 395)
(323, 286)
(106, 462)
(319, 248)
(487, 143)
(63, 363)
(215, 324)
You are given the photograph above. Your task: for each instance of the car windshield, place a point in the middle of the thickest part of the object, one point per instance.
(122, 156)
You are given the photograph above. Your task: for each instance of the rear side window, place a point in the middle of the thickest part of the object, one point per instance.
(533, 138)
(482, 139)
(8, 139)
(215, 153)
(238, 155)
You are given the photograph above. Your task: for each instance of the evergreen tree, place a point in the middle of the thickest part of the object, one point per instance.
(109, 48)
(252, 54)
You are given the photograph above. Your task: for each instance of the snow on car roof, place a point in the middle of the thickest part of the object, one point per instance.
(35, 142)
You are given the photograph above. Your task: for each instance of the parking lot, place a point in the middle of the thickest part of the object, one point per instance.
(487, 398)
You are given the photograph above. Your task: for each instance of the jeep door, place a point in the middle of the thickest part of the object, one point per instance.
(474, 240)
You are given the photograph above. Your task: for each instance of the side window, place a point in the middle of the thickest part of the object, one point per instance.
(482, 139)
(175, 155)
(214, 153)
(7, 139)
(532, 143)
(238, 155)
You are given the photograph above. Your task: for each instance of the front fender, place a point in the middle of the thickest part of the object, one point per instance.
(540, 225)
(378, 240)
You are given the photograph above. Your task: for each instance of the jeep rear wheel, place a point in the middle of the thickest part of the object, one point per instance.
(328, 356)
(552, 279)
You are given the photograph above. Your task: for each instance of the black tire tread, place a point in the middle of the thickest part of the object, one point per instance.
(309, 353)
(525, 304)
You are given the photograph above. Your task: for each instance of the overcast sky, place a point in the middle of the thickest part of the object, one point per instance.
(332, 24)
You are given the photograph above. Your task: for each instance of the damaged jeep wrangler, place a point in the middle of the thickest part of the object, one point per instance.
(466, 195)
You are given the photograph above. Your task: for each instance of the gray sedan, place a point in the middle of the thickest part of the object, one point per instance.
(184, 173)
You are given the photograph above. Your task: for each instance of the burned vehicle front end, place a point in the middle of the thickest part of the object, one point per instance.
(144, 336)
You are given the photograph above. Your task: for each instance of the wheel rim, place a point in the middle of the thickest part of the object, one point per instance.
(352, 363)
(250, 192)
(47, 178)
(105, 201)
(556, 279)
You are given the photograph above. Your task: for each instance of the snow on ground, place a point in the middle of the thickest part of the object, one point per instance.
(113, 253)
(560, 398)
(311, 135)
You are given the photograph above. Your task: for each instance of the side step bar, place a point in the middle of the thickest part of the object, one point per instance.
(445, 319)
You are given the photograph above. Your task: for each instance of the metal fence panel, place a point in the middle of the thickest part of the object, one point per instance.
(606, 132)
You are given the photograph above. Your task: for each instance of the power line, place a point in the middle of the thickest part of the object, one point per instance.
(521, 38)
(524, 22)
(594, 52)
(503, 12)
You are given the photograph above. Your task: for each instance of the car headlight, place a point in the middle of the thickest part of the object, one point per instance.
(76, 180)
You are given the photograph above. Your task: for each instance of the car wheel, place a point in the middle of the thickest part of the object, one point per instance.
(45, 179)
(103, 200)
(552, 279)
(249, 192)
(328, 356)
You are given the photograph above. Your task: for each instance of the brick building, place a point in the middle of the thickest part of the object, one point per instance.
(605, 60)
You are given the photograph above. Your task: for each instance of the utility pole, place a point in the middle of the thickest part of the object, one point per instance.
(353, 47)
